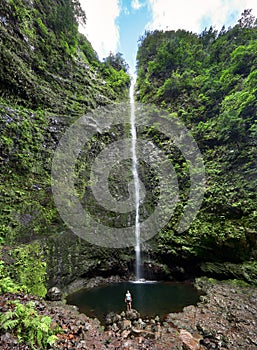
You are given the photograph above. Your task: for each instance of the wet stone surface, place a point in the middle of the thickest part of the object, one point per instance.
(226, 318)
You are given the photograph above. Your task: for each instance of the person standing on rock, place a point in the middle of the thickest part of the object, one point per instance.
(128, 300)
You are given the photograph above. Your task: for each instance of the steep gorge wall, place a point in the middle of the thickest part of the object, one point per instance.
(208, 81)
(49, 77)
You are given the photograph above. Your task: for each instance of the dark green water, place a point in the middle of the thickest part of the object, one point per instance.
(150, 299)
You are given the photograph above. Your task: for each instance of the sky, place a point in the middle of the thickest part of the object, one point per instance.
(116, 25)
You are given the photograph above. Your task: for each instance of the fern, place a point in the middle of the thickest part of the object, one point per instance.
(52, 339)
(28, 326)
(9, 324)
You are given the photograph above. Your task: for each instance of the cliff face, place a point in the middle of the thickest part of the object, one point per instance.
(47, 64)
(208, 81)
(49, 76)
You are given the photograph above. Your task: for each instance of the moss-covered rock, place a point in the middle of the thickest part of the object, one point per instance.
(202, 80)
(246, 271)
(69, 258)
(49, 76)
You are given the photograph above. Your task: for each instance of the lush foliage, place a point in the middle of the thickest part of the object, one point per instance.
(56, 66)
(117, 62)
(25, 180)
(29, 268)
(49, 76)
(25, 271)
(23, 321)
(209, 82)
(7, 285)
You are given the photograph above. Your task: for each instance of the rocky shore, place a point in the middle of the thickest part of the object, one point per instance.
(225, 318)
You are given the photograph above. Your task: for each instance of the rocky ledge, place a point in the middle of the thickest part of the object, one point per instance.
(225, 318)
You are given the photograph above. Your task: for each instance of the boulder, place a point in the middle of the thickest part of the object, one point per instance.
(132, 315)
(54, 294)
(189, 342)
(111, 318)
(124, 324)
(125, 333)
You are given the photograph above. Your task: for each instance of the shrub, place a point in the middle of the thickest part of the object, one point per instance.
(23, 321)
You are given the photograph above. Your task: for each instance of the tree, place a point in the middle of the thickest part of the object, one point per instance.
(117, 62)
(247, 20)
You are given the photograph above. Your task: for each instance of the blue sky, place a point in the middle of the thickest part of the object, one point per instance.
(116, 25)
(132, 24)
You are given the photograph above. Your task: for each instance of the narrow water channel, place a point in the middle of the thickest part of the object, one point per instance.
(150, 299)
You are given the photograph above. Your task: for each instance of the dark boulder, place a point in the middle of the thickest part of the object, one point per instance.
(54, 294)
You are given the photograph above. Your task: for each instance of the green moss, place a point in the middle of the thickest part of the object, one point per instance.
(7, 284)
(246, 271)
(49, 76)
(57, 77)
(29, 268)
(207, 80)
(239, 283)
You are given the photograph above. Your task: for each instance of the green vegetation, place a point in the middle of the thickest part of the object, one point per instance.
(49, 76)
(7, 285)
(23, 321)
(46, 63)
(27, 271)
(209, 82)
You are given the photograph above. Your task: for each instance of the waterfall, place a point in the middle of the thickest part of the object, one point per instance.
(135, 178)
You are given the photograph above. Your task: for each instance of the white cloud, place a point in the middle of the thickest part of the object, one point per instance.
(101, 29)
(193, 14)
(103, 32)
(136, 5)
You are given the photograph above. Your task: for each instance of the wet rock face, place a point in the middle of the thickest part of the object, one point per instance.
(70, 258)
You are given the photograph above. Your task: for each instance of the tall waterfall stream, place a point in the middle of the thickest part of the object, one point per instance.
(135, 179)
